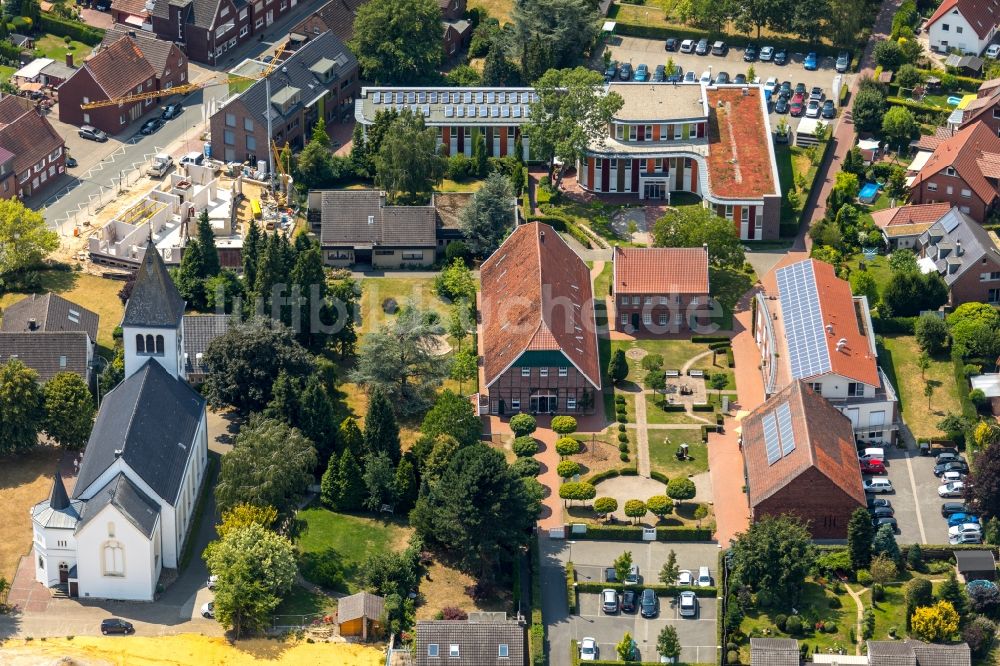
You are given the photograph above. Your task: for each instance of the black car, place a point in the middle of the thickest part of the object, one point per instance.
(676, 76)
(829, 110)
(876, 502)
(70, 162)
(671, 44)
(611, 72)
(628, 601)
(722, 78)
(882, 512)
(659, 74)
(785, 89)
(649, 603)
(151, 126)
(886, 520)
(740, 79)
(750, 54)
(800, 88)
(947, 457)
(171, 111)
(116, 625)
(780, 56)
(951, 508)
(102, 5)
(625, 73)
(781, 106)
(959, 466)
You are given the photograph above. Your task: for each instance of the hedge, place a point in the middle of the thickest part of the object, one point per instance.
(709, 339)
(597, 477)
(922, 112)
(730, 357)
(719, 346)
(930, 552)
(705, 429)
(661, 590)
(557, 223)
(634, 533)
(964, 83)
(958, 365)
(671, 407)
(890, 325)
(703, 407)
(581, 237)
(571, 587)
(536, 635)
(61, 27)
(659, 476)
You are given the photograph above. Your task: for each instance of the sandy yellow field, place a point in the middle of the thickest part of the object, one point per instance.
(183, 650)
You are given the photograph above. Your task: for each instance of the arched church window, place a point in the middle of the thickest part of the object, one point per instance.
(150, 345)
(140, 343)
(114, 559)
(159, 344)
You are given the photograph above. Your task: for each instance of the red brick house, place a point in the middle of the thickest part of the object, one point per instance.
(800, 458)
(457, 29)
(39, 155)
(129, 65)
(659, 290)
(8, 179)
(132, 14)
(337, 16)
(964, 171)
(537, 333)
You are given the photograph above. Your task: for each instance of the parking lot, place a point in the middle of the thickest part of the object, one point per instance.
(651, 52)
(697, 635)
(915, 500)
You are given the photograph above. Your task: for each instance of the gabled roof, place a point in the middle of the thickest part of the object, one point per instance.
(660, 270)
(812, 434)
(819, 312)
(133, 7)
(337, 16)
(149, 421)
(29, 136)
(956, 244)
(982, 15)
(917, 653)
(360, 605)
(121, 493)
(199, 331)
(774, 652)
(119, 69)
(50, 313)
(975, 560)
(156, 51)
(536, 295)
(909, 215)
(155, 301)
(202, 12)
(961, 152)
(361, 218)
(48, 354)
(478, 642)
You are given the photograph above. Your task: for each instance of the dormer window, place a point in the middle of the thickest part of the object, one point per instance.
(950, 171)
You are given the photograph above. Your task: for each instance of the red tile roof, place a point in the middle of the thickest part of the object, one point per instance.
(29, 136)
(930, 142)
(982, 15)
(536, 295)
(739, 155)
(119, 68)
(660, 270)
(823, 439)
(962, 152)
(133, 7)
(917, 214)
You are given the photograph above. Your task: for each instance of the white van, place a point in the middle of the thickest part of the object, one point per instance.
(872, 454)
(878, 484)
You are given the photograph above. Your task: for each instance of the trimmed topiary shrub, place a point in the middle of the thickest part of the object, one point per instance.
(793, 625)
(621, 427)
(524, 446)
(564, 425)
(622, 437)
(623, 446)
(567, 469)
(864, 577)
(567, 446)
(623, 457)
(523, 424)
(779, 621)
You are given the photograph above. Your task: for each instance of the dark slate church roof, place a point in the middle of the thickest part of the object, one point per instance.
(125, 496)
(58, 511)
(149, 420)
(155, 301)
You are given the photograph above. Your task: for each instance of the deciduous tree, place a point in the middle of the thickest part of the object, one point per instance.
(932, 333)
(22, 406)
(898, 124)
(69, 410)
(379, 477)
(694, 226)
(565, 28)
(398, 41)
(605, 505)
(407, 162)
(668, 644)
(935, 623)
(25, 239)
(453, 415)
(774, 554)
(635, 509)
(242, 515)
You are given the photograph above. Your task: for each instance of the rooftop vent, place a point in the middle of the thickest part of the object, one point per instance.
(841, 344)
(829, 329)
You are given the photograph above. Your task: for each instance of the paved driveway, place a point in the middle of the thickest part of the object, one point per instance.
(916, 502)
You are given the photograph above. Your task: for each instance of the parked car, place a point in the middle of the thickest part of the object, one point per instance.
(780, 56)
(951, 508)
(675, 76)
(720, 48)
(212, 581)
(953, 466)
(116, 625)
(800, 88)
(750, 53)
(829, 110)
(817, 94)
(659, 74)
(882, 512)
(632, 577)
(151, 126)
(631, 651)
(649, 603)
(961, 519)
(194, 157)
(811, 61)
(872, 466)
(642, 73)
(70, 162)
(171, 111)
(208, 610)
(589, 649)
(876, 502)
(797, 107)
(952, 489)
(706, 77)
(671, 44)
(611, 72)
(993, 51)
(843, 61)
(609, 575)
(92, 134)
(885, 520)
(785, 89)
(781, 106)
(967, 538)
(878, 484)
(952, 477)
(704, 577)
(740, 79)
(628, 601)
(689, 77)
(947, 456)
(722, 78)
(965, 528)
(685, 578)
(625, 73)
(609, 601)
(771, 85)
(766, 53)
(687, 604)
(687, 46)
(702, 47)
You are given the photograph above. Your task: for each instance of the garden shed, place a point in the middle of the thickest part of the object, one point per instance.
(976, 564)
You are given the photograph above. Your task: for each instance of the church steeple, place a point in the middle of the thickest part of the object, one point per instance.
(58, 499)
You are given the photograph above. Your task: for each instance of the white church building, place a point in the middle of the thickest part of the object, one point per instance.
(130, 512)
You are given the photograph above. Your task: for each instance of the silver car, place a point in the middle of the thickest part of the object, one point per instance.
(687, 604)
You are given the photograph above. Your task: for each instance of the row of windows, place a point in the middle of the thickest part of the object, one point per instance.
(515, 404)
(966, 192)
(434, 650)
(989, 277)
(854, 389)
(544, 372)
(676, 132)
(648, 300)
(946, 28)
(647, 319)
(231, 122)
(148, 344)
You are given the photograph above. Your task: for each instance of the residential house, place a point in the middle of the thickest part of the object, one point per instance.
(684, 138)
(199, 332)
(983, 109)
(318, 79)
(966, 26)
(537, 332)
(659, 290)
(808, 326)
(131, 510)
(774, 652)
(361, 615)
(337, 16)
(131, 15)
(962, 171)
(457, 28)
(901, 226)
(800, 458)
(460, 116)
(916, 653)
(975, 564)
(126, 66)
(50, 335)
(485, 639)
(38, 150)
(966, 256)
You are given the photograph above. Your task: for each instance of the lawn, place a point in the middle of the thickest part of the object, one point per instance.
(92, 292)
(878, 267)
(663, 448)
(26, 480)
(903, 352)
(6, 72)
(792, 163)
(499, 9)
(602, 282)
(656, 414)
(675, 354)
(348, 539)
(459, 186)
(889, 613)
(56, 48)
(376, 290)
(301, 601)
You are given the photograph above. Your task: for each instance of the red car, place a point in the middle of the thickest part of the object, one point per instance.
(797, 105)
(872, 467)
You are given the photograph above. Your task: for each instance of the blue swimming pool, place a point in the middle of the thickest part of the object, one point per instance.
(868, 193)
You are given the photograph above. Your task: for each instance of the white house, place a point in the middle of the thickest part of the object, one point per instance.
(130, 512)
(816, 330)
(965, 25)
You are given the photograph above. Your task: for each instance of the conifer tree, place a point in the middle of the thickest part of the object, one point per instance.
(381, 429)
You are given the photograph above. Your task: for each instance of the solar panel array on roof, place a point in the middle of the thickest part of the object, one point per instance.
(785, 429)
(950, 221)
(477, 104)
(771, 443)
(803, 319)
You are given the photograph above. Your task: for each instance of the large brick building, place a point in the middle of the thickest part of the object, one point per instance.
(318, 79)
(800, 459)
(965, 255)
(659, 290)
(38, 152)
(337, 16)
(537, 333)
(964, 171)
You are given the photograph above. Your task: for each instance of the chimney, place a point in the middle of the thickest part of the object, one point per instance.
(69, 59)
(541, 236)
(958, 247)
(704, 246)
